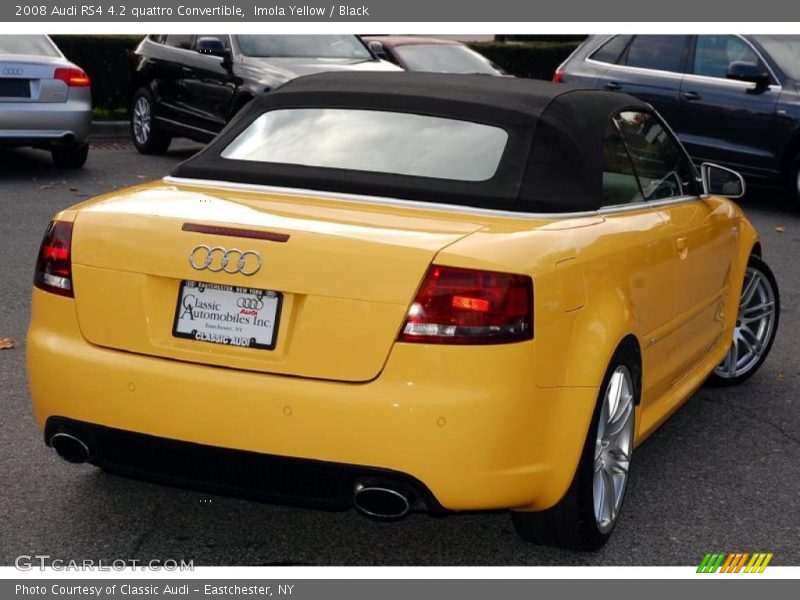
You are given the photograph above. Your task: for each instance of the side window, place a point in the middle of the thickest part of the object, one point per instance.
(714, 53)
(180, 41)
(662, 167)
(661, 52)
(620, 185)
(612, 49)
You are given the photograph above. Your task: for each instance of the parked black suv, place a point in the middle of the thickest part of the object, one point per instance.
(191, 85)
(732, 99)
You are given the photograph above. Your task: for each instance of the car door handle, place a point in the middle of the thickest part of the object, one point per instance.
(691, 96)
(613, 86)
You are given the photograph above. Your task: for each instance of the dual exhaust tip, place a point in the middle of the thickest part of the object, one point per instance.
(379, 501)
(382, 501)
(70, 448)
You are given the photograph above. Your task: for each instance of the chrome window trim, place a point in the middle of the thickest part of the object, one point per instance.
(195, 52)
(772, 86)
(675, 74)
(453, 208)
(365, 199)
(621, 208)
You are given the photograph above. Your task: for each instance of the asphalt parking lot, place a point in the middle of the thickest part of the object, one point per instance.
(723, 474)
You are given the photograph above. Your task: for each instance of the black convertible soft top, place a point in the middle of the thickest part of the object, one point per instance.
(553, 160)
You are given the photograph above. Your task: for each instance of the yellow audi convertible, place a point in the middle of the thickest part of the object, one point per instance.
(402, 292)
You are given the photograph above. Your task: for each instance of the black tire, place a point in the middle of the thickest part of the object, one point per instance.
(793, 185)
(571, 524)
(147, 139)
(717, 380)
(70, 157)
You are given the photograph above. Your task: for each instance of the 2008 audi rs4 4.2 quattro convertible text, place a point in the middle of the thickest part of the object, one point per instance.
(403, 292)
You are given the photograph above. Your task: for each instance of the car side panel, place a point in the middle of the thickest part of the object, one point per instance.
(596, 280)
(711, 105)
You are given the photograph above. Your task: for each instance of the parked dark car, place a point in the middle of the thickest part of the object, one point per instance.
(732, 99)
(192, 85)
(430, 54)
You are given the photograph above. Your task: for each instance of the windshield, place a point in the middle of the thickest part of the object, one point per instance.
(785, 50)
(444, 59)
(305, 46)
(37, 45)
(374, 141)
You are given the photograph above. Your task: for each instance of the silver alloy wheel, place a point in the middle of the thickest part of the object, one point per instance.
(613, 448)
(141, 120)
(754, 326)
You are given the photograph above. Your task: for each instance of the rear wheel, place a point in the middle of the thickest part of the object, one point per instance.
(756, 324)
(70, 157)
(586, 516)
(147, 138)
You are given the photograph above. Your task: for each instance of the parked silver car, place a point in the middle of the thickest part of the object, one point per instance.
(45, 100)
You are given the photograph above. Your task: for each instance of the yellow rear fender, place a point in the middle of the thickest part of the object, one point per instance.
(588, 337)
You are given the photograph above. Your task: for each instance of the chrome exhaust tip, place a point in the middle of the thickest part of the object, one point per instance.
(70, 448)
(381, 502)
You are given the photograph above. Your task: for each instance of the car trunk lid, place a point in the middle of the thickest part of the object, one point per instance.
(31, 80)
(343, 275)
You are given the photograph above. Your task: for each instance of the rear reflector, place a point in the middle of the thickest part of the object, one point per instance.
(72, 77)
(54, 264)
(466, 306)
(558, 76)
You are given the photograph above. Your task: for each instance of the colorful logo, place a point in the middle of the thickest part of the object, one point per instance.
(734, 562)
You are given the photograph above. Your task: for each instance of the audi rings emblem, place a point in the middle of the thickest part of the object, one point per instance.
(12, 71)
(217, 259)
(250, 303)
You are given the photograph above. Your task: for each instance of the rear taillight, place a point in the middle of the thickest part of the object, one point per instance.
(466, 306)
(54, 264)
(72, 77)
(558, 76)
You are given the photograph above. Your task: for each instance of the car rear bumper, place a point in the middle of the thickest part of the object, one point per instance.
(33, 124)
(467, 423)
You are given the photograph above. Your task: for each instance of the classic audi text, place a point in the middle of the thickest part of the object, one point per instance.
(475, 294)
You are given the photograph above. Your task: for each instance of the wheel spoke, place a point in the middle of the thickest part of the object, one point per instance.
(609, 497)
(599, 495)
(753, 346)
(749, 288)
(758, 312)
(621, 421)
(620, 463)
(732, 358)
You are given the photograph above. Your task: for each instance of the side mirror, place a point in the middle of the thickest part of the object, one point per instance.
(211, 46)
(377, 49)
(749, 72)
(719, 181)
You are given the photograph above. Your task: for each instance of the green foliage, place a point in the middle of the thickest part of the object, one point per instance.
(106, 59)
(535, 60)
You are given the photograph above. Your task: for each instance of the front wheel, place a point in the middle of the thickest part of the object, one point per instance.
(586, 516)
(756, 325)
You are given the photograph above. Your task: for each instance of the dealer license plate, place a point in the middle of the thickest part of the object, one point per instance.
(226, 314)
